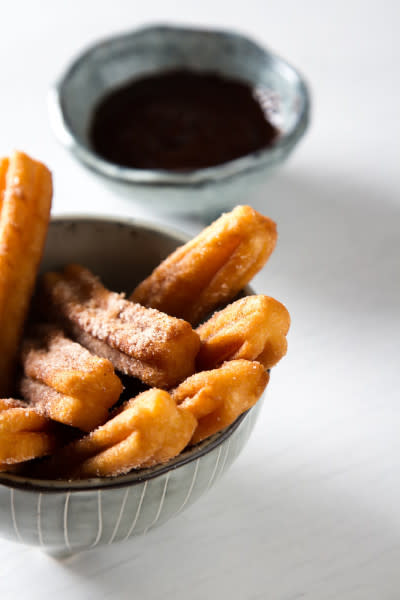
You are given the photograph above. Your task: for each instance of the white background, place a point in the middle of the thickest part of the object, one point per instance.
(311, 510)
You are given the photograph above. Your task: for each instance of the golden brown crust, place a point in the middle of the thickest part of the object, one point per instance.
(147, 430)
(4, 164)
(253, 328)
(24, 434)
(64, 381)
(145, 343)
(212, 268)
(218, 397)
(25, 203)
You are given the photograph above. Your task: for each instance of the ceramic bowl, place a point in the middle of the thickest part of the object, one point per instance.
(62, 517)
(111, 63)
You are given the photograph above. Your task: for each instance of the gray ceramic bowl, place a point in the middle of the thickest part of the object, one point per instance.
(64, 517)
(111, 63)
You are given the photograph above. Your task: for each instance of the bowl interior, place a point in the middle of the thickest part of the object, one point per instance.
(112, 63)
(122, 253)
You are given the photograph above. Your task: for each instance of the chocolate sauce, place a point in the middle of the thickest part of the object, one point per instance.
(179, 120)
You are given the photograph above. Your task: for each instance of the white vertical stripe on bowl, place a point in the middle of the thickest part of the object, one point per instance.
(13, 516)
(66, 536)
(131, 528)
(39, 519)
(99, 521)
(238, 440)
(196, 468)
(250, 416)
(215, 469)
(225, 457)
(121, 512)
(160, 505)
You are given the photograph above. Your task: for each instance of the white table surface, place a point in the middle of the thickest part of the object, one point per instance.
(311, 510)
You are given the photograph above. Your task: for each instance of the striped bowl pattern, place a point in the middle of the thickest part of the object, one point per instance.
(72, 520)
(64, 517)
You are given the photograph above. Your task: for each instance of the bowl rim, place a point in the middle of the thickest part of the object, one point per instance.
(139, 476)
(158, 177)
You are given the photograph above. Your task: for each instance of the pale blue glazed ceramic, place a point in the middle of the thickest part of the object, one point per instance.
(111, 63)
(64, 517)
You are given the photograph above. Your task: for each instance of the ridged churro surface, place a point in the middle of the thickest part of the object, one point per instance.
(212, 268)
(254, 328)
(217, 397)
(25, 201)
(147, 430)
(24, 434)
(145, 343)
(65, 381)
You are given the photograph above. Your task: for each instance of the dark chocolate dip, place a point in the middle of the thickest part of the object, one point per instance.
(179, 120)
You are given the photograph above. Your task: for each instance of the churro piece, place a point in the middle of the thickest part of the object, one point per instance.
(24, 434)
(212, 268)
(253, 328)
(216, 398)
(148, 430)
(145, 343)
(25, 201)
(4, 163)
(65, 382)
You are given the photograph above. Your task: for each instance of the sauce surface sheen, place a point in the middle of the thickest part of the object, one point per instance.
(179, 120)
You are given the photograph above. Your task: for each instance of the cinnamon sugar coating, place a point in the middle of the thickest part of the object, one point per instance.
(254, 328)
(212, 268)
(24, 434)
(147, 430)
(64, 381)
(73, 381)
(145, 343)
(218, 397)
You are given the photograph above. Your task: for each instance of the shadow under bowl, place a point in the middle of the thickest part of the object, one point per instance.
(110, 64)
(65, 517)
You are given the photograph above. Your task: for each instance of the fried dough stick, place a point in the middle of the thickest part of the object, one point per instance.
(24, 434)
(216, 398)
(65, 382)
(253, 328)
(4, 162)
(25, 210)
(212, 268)
(141, 342)
(148, 430)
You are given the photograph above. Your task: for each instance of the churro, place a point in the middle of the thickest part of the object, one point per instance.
(24, 434)
(148, 337)
(147, 430)
(254, 328)
(217, 397)
(212, 268)
(144, 343)
(25, 201)
(65, 382)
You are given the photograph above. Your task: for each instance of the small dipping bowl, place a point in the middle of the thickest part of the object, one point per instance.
(65, 517)
(110, 64)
